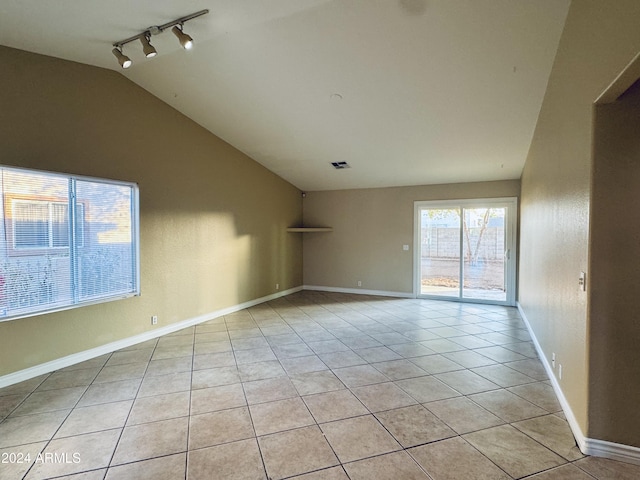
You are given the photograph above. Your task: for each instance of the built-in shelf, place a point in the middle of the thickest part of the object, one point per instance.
(309, 229)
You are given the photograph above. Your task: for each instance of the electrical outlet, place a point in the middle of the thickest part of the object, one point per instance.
(277, 286)
(582, 281)
(553, 360)
(154, 320)
(560, 372)
(359, 283)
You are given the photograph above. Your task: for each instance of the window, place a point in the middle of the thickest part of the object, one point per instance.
(65, 241)
(38, 224)
(466, 250)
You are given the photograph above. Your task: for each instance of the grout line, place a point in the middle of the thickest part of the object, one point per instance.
(311, 316)
(193, 359)
(133, 403)
(71, 410)
(253, 426)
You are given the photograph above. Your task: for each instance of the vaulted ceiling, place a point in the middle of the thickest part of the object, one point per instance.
(407, 92)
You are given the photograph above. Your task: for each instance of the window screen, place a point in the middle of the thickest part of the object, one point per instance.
(65, 241)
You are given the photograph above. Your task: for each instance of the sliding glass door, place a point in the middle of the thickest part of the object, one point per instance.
(466, 250)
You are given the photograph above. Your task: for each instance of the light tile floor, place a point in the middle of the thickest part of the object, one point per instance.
(313, 386)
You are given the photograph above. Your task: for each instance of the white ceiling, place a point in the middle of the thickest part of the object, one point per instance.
(408, 92)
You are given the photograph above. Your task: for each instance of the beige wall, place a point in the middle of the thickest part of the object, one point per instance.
(370, 228)
(599, 39)
(614, 360)
(212, 220)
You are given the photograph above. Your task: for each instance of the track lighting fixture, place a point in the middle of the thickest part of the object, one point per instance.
(123, 60)
(149, 51)
(185, 40)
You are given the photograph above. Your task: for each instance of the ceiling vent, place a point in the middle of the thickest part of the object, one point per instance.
(340, 165)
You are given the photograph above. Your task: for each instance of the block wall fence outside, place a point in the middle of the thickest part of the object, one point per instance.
(444, 242)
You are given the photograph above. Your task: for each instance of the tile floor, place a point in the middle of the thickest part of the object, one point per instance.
(314, 386)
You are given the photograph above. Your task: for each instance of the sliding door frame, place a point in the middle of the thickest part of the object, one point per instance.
(511, 226)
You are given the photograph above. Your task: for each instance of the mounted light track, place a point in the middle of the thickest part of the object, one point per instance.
(149, 51)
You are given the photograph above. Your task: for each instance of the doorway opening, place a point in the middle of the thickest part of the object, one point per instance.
(466, 250)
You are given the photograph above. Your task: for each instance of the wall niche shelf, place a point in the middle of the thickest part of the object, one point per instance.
(309, 229)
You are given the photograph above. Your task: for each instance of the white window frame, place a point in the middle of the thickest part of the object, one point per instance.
(511, 204)
(13, 251)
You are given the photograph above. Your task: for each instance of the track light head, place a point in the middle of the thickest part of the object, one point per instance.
(148, 49)
(185, 40)
(123, 60)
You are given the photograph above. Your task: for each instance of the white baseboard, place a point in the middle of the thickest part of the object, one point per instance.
(359, 291)
(614, 451)
(573, 423)
(588, 446)
(72, 359)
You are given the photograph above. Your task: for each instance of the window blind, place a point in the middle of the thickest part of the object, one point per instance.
(65, 241)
